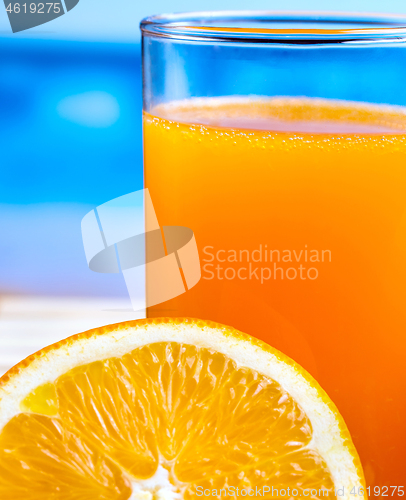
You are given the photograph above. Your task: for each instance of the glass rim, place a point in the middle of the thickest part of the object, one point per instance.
(260, 27)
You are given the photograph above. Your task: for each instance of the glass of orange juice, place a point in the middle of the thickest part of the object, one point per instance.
(280, 140)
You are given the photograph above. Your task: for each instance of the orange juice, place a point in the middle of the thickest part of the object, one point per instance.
(299, 213)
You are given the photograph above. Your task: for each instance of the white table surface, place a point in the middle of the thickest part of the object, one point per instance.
(29, 323)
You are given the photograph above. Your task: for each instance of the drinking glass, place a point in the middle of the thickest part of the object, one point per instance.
(279, 139)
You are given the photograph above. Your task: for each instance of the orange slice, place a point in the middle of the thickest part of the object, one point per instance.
(169, 409)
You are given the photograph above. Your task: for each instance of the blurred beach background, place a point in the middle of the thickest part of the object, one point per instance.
(71, 136)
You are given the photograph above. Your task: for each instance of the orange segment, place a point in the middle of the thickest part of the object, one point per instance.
(41, 458)
(168, 417)
(43, 400)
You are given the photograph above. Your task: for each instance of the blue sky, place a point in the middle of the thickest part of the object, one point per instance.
(117, 20)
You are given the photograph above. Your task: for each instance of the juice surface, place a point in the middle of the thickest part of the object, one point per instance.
(299, 213)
